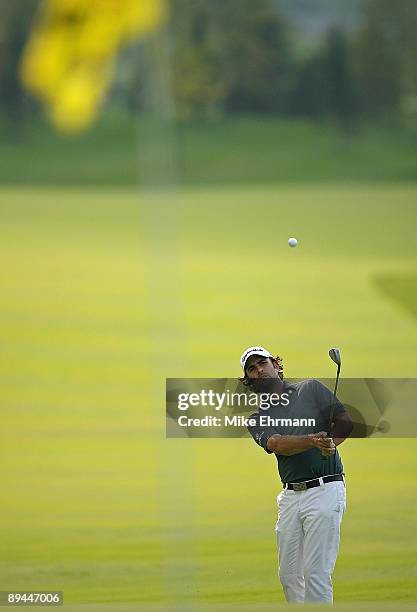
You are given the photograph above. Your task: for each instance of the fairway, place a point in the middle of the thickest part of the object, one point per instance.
(105, 293)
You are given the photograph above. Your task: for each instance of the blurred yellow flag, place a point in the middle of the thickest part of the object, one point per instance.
(69, 57)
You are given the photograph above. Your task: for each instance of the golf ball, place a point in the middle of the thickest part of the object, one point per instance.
(292, 242)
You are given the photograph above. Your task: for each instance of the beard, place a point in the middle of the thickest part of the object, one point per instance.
(266, 385)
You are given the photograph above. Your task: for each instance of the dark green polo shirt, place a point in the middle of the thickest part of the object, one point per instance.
(308, 399)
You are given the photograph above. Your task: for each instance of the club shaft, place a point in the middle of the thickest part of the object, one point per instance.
(333, 401)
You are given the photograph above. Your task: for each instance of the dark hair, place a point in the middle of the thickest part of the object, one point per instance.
(276, 360)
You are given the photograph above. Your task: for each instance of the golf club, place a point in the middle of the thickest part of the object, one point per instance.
(334, 354)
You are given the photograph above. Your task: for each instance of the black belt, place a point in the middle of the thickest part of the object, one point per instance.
(309, 484)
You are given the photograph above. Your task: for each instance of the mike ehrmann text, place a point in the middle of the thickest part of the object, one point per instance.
(241, 421)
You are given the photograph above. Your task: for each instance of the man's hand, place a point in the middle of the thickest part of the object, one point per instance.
(323, 443)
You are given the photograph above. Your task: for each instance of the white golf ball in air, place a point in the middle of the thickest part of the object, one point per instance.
(292, 242)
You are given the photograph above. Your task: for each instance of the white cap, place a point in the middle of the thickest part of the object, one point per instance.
(254, 350)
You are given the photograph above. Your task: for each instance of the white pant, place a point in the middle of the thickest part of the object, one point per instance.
(308, 536)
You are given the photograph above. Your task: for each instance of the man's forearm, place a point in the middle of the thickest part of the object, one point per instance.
(289, 445)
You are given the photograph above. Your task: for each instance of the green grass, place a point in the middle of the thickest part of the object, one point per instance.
(107, 292)
(121, 150)
(400, 288)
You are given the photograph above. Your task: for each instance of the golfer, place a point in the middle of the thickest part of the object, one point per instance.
(313, 499)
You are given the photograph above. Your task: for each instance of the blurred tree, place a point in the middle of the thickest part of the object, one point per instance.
(15, 21)
(386, 54)
(196, 47)
(325, 84)
(340, 81)
(309, 96)
(229, 56)
(257, 64)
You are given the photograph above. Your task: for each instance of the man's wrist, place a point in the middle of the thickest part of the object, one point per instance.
(312, 440)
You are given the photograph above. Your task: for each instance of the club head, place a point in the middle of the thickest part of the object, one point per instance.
(335, 356)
